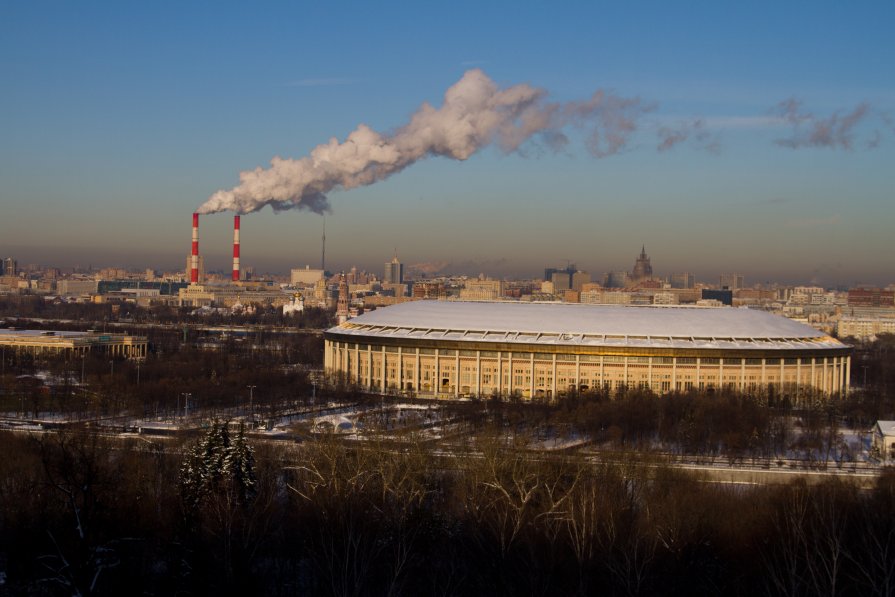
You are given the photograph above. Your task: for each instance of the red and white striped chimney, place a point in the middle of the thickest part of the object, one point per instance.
(194, 259)
(236, 248)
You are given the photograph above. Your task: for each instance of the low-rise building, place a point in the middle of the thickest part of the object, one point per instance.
(883, 440)
(73, 343)
(482, 290)
(865, 328)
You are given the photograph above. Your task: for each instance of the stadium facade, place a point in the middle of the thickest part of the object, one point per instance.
(444, 349)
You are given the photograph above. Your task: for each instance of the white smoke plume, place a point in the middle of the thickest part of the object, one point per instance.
(835, 131)
(476, 113)
(695, 130)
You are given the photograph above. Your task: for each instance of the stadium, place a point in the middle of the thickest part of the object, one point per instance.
(446, 349)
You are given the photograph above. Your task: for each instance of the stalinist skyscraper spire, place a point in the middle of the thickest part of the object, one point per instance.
(642, 267)
(394, 271)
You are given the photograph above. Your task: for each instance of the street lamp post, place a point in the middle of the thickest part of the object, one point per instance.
(186, 401)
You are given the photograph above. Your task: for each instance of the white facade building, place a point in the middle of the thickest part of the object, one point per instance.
(865, 328)
(306, 276)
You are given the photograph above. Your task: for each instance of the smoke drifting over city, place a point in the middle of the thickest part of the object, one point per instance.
(476, 113)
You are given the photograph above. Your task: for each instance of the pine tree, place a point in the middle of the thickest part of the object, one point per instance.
(239, 467)
(216, 465)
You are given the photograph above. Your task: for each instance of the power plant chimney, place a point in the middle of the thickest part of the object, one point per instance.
(236, 248)
(194, 258)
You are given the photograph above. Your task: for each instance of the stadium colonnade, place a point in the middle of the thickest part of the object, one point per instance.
(454, 349)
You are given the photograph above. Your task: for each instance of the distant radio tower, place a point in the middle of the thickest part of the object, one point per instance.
(323, 250)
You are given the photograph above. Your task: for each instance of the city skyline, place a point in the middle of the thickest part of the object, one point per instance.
(757, 140)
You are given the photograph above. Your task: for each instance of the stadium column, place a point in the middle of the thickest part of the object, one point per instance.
(782, 373)
(673, 374)
(824, 377)
(510, 374)
(436, 383)
(813, 374)
(742, 374)
(500, 373)
(720, 374)
(847, 373)
(400, 368)
(840, 361)
(649, 372)
(457, 377)
(416, 385)
(764, 375)
(553, 390)
(626, 371)
(798, 374)
(478, 373)
(357, 378)
(602, 372)
(531, 389)
(383, 382)
(369, 366)
(578, 373)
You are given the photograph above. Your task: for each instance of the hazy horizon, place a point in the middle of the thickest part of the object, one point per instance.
(495, 268)
(721, 138)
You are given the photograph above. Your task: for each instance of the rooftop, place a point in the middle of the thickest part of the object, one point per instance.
(588, 325)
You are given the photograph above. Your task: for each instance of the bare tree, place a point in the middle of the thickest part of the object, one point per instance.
(76, 471)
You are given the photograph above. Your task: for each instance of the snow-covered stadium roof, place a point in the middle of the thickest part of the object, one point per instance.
(587, 325)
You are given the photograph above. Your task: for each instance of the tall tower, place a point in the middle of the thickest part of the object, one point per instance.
(194, 253)
(342, 305)
(236, 248)
(642, 267)
(394, 271)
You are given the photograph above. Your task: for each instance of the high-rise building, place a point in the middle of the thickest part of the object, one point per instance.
(562, 280)
(642, 267)
(8, 267)
(570, 269)
(731, 281)
(394, 271)
(616, 279)
(342, 305)
(579, 279)
(682, 280)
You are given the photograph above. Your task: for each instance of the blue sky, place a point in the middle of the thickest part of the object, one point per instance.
(119, 119)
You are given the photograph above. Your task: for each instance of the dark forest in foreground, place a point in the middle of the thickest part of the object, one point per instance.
(82, 514)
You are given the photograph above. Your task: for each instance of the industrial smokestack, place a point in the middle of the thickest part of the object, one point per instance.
(194, 259)
(236, 248)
